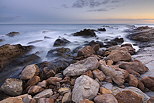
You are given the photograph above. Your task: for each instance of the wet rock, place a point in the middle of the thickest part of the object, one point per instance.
(10, 52)
(86, 51)
(84, 88)
(85, 33)
(119, 55)
(135, 65)
(12, 34)
(67, 97)
(86, 101)
(92, 43)
(118, 40)
(148, 82)
(29, 71)
(34, 89)
(105, 98)
(82, 66)
(105, 90)
(133, 81)
(34, 80)
(12, 100)
(101, 29)
(53, 80)
(128, 97)
(118, 75)
(46, 100)
(99, 74)
(61, 42)
(12, 87)
(44, 94)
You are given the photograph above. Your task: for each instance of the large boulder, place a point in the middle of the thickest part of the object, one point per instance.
(82, 66)
(86, 51)
(135, 65)
(61, 42)
(148, 82)
(84, 88)
(105, 98)
(86, 33)
(117, 75)
(12, 87)
(29, 71)
(10, 52)
(12, 34)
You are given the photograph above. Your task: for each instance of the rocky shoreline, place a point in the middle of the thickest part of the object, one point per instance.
(87, 74)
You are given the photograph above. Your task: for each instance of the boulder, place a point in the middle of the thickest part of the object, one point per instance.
(128, 96)
(86, 51)
(119, 55)
(129, 48)
(34, 89)
(53, 80)
(133, 81)
(12, 100)
(12, 87)
(85, 33)
(84, 88)
(61, 42)
(135, 65)
(29, 71)
(44, 94)
(82, 66)
(12, 34)
(99, 74)
(42, 84)
(105, 98)
(118, 75)
(92, 43)
(101, 29)
(148, 82)
(118, 40)
(34, 80)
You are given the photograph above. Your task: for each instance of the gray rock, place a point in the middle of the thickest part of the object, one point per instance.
(12, 87)
(44, 94)
(84, 88)
(82, 66)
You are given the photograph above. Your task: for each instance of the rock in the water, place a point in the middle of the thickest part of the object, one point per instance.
(105, 98)
(12, 87)
(85, 33)
(101, 29)
(1, 40)
(82, 66)
(148, 82)
(44, 94)
(12, 100)
(29, 71)
(129, 48)
(118, 75)
(61, 42)
(84, 88)
(128, 96)
(119, 55)
(99, 74)
(12, 34)
(86, 51)
(135, 65)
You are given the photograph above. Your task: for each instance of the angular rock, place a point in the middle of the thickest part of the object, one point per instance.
(86, 51)
(34, 80)
(118, 75)
(61, 42)
(148, 82)
(84, 88)
(82, 66)
(29, 71)
(46, 100)
(12, 100)
(105, 98)
(27, 99)
(105, 90)
(99, 74)
(34, 89)
(12, 87)
(86, 101)
(44, 94)
(53, 80)
(135, 65)
(85, 33)
(133, 81)
(42, 84)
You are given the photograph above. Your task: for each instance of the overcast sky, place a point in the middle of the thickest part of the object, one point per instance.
(76, 11)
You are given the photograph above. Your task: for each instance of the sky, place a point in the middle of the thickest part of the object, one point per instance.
(76, 11)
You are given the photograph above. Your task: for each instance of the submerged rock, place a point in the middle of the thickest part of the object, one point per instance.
(12, 34)
(84, 88)
(61, 42)
(86, 33)
(12, 87)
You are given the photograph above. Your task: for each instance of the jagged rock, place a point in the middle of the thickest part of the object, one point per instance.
(105, 98)
(12, 100)
(44, 94)
(84, 88)
(29, 71)
(148, 82)
(129, 48)
(12, 87)
(61, 42)
(12, 34)
(85, 33)
(86, 51)
(82, 66)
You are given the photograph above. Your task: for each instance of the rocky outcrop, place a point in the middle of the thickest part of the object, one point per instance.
(84, 88)
(12, 87)
(82, 66)
(105, 98)
(12, 34)
(86, 33)
(61, 42)
(148, 82)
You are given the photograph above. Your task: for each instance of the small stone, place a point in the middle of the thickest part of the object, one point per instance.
(105, 90)
(34, 89)
(46, 100)
(42, 84)
(29, 71)
(53, 80)
(99, 74)
(44, 94)
(86, 101)
(89, 73)
(105, 98)
(67, 97)
(34, 80)
(63, 90)
(133, 81)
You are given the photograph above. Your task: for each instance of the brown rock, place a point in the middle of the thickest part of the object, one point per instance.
(128, 96)
(105, 98)
(63, 90)
(133, 81)
(67, 97)
(89, 73)
(46, 100)
(29, 71)
(12, 100)
(44, 94)
(151, 100)
(53, 80)
(86, 51)
(148, 82)
(86, 101)
(109, 62)
(129, 48)
(99, 74)
(131, 71)
(141, 85)
(34, 80)
(42, 84)
(105, 90)
(34, 89)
